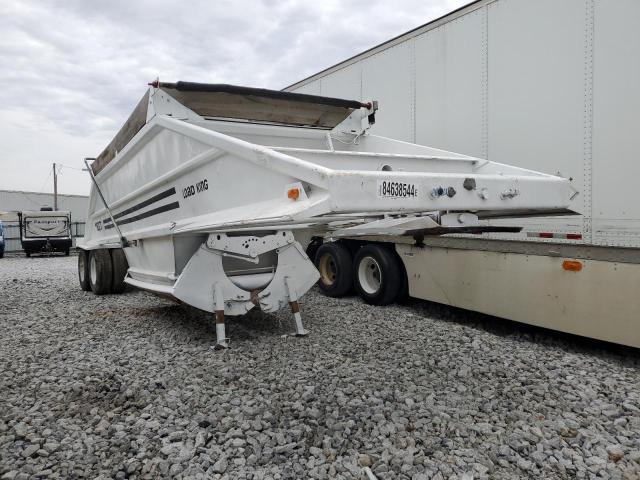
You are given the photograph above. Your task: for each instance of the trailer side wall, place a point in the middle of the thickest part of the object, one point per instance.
(539, 84)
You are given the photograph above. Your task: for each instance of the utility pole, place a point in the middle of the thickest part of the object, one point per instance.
(55, 188)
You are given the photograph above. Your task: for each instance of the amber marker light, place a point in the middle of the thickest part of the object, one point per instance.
(293, 193)
(572, 265)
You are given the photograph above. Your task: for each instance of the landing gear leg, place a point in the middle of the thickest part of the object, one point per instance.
(221, 337)
(295, 309)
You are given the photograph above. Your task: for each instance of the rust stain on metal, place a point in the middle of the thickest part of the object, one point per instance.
(254, 297)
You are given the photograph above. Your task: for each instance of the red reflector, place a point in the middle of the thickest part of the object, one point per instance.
(574, 236)
(545, 235)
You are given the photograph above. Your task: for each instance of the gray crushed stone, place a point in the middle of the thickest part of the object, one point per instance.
(127, 386)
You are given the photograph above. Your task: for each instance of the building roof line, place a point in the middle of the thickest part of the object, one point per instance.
(44, 193)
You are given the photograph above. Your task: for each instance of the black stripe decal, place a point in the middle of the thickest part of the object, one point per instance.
(146, 203)
(150, 213)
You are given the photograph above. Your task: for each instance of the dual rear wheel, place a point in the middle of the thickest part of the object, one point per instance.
(102, 271)
(374, 270)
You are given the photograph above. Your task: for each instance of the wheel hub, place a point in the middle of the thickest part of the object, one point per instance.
(369, 275)
(328, 269)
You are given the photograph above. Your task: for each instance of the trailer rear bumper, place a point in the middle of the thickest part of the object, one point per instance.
(49, 244)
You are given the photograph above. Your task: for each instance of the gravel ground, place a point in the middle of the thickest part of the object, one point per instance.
(127, 386)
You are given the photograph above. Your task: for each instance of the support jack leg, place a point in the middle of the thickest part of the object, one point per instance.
(221, 337)
(295, 309)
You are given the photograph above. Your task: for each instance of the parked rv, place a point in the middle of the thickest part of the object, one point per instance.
(45, 231)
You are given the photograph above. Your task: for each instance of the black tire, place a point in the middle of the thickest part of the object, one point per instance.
(312, 248)
(83, 270)
(100, 271)
(120, 267)
(403, 294)
(27, 253)
(66, 252)
(378, 274)
(334, 262)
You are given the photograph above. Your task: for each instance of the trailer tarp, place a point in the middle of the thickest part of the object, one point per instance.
(261, 105)
(134, 123)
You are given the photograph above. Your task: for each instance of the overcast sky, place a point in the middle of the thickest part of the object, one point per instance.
(71, 71)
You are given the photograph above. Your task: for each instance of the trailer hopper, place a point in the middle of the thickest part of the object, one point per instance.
(210, 193)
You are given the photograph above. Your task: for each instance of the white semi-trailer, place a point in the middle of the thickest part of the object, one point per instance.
(546, 85)
(210, 193)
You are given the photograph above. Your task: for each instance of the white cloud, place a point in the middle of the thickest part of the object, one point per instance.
(71, 71)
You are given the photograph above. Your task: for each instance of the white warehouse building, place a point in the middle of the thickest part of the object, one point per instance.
(12, 201)
(542, 84)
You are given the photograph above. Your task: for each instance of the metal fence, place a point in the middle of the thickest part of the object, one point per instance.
(12, 235)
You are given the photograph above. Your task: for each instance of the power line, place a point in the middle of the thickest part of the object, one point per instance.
(45, 181)
(69, 166)
(26, 195)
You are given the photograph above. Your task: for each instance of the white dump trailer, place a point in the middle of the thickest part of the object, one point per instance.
(210, 194)
(541, 84)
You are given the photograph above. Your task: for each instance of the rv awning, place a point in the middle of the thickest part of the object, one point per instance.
(234, 102)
